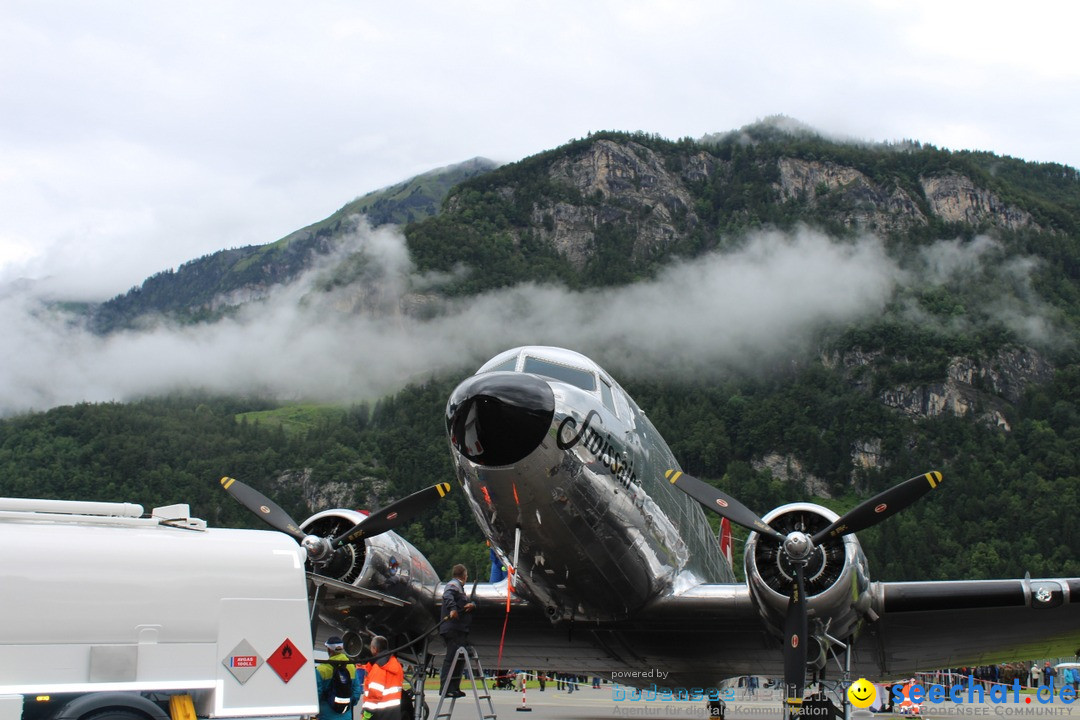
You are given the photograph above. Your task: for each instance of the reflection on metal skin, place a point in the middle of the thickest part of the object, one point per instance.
(836, 575)
(387, 564)
(591, 487)
(499, 418)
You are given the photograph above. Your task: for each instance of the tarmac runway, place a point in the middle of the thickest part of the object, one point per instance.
(590, 704)
(584, 704)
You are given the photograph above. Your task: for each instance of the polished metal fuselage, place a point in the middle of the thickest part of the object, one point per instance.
(386, 564)
(595, 529)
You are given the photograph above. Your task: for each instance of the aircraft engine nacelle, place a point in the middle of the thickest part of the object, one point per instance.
(836, 579)
(387, 564)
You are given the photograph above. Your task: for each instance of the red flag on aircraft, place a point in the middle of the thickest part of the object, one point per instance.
(725, 540)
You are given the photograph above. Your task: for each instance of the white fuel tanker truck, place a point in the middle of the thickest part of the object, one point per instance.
(107, 614)
(110, 614)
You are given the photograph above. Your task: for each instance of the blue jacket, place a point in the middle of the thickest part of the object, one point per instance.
(323, 673)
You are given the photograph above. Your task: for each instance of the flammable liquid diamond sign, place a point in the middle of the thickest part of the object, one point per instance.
(243, 661)
(286, 660)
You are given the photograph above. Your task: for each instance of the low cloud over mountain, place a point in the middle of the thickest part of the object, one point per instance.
(742, 309)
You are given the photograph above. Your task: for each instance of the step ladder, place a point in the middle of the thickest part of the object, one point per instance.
(466, 655)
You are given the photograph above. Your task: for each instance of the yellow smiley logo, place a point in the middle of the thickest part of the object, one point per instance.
(862, 693)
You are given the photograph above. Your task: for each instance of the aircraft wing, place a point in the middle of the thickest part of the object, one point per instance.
(932, 625)
(920, 626)
(715, 631)
(709, 632)
(331, 591)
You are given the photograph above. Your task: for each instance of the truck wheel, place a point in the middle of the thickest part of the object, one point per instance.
(114, 714)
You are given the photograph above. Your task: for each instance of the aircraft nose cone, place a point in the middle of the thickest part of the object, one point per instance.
(499, 418)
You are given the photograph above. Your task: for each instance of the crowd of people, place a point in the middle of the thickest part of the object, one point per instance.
(1030, 674)
(568, 682)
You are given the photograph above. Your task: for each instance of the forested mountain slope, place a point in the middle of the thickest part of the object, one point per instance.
(214, 285)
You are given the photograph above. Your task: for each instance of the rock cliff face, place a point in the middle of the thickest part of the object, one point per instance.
(789, 469)
(979, 388)
(865, 455)
(365, 491)
(975, 388)
(861, 202)
(956, 199)
(625, 184)
(982, 388)
(864, 204)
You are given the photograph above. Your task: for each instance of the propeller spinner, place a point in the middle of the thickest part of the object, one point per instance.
(798, 548)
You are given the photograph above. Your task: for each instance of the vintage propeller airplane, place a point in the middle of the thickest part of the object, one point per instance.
(616, 572)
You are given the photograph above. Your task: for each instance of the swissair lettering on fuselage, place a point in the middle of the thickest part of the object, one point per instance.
(606, 452)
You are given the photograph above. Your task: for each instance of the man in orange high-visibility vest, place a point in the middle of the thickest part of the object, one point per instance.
(382, 683)
(908, 707)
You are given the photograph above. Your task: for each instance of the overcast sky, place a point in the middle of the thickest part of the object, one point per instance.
(137, 135)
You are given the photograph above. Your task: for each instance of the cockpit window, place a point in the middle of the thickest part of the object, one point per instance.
(605, 395)
(574, 376)
(508, 364)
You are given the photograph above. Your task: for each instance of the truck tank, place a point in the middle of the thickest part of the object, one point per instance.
(96, 597)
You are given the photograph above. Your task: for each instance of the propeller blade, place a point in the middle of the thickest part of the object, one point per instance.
(884, 504)
(795, 637)
(262, 506)
(393, 515)
(721, 503)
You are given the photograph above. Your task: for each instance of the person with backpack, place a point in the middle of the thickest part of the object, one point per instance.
(339, 682)
(1048, 675)
(382, 683)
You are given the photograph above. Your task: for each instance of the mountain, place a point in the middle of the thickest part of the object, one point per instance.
(927, 316)
(613, 208)
(416, 198)
(207, 288)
